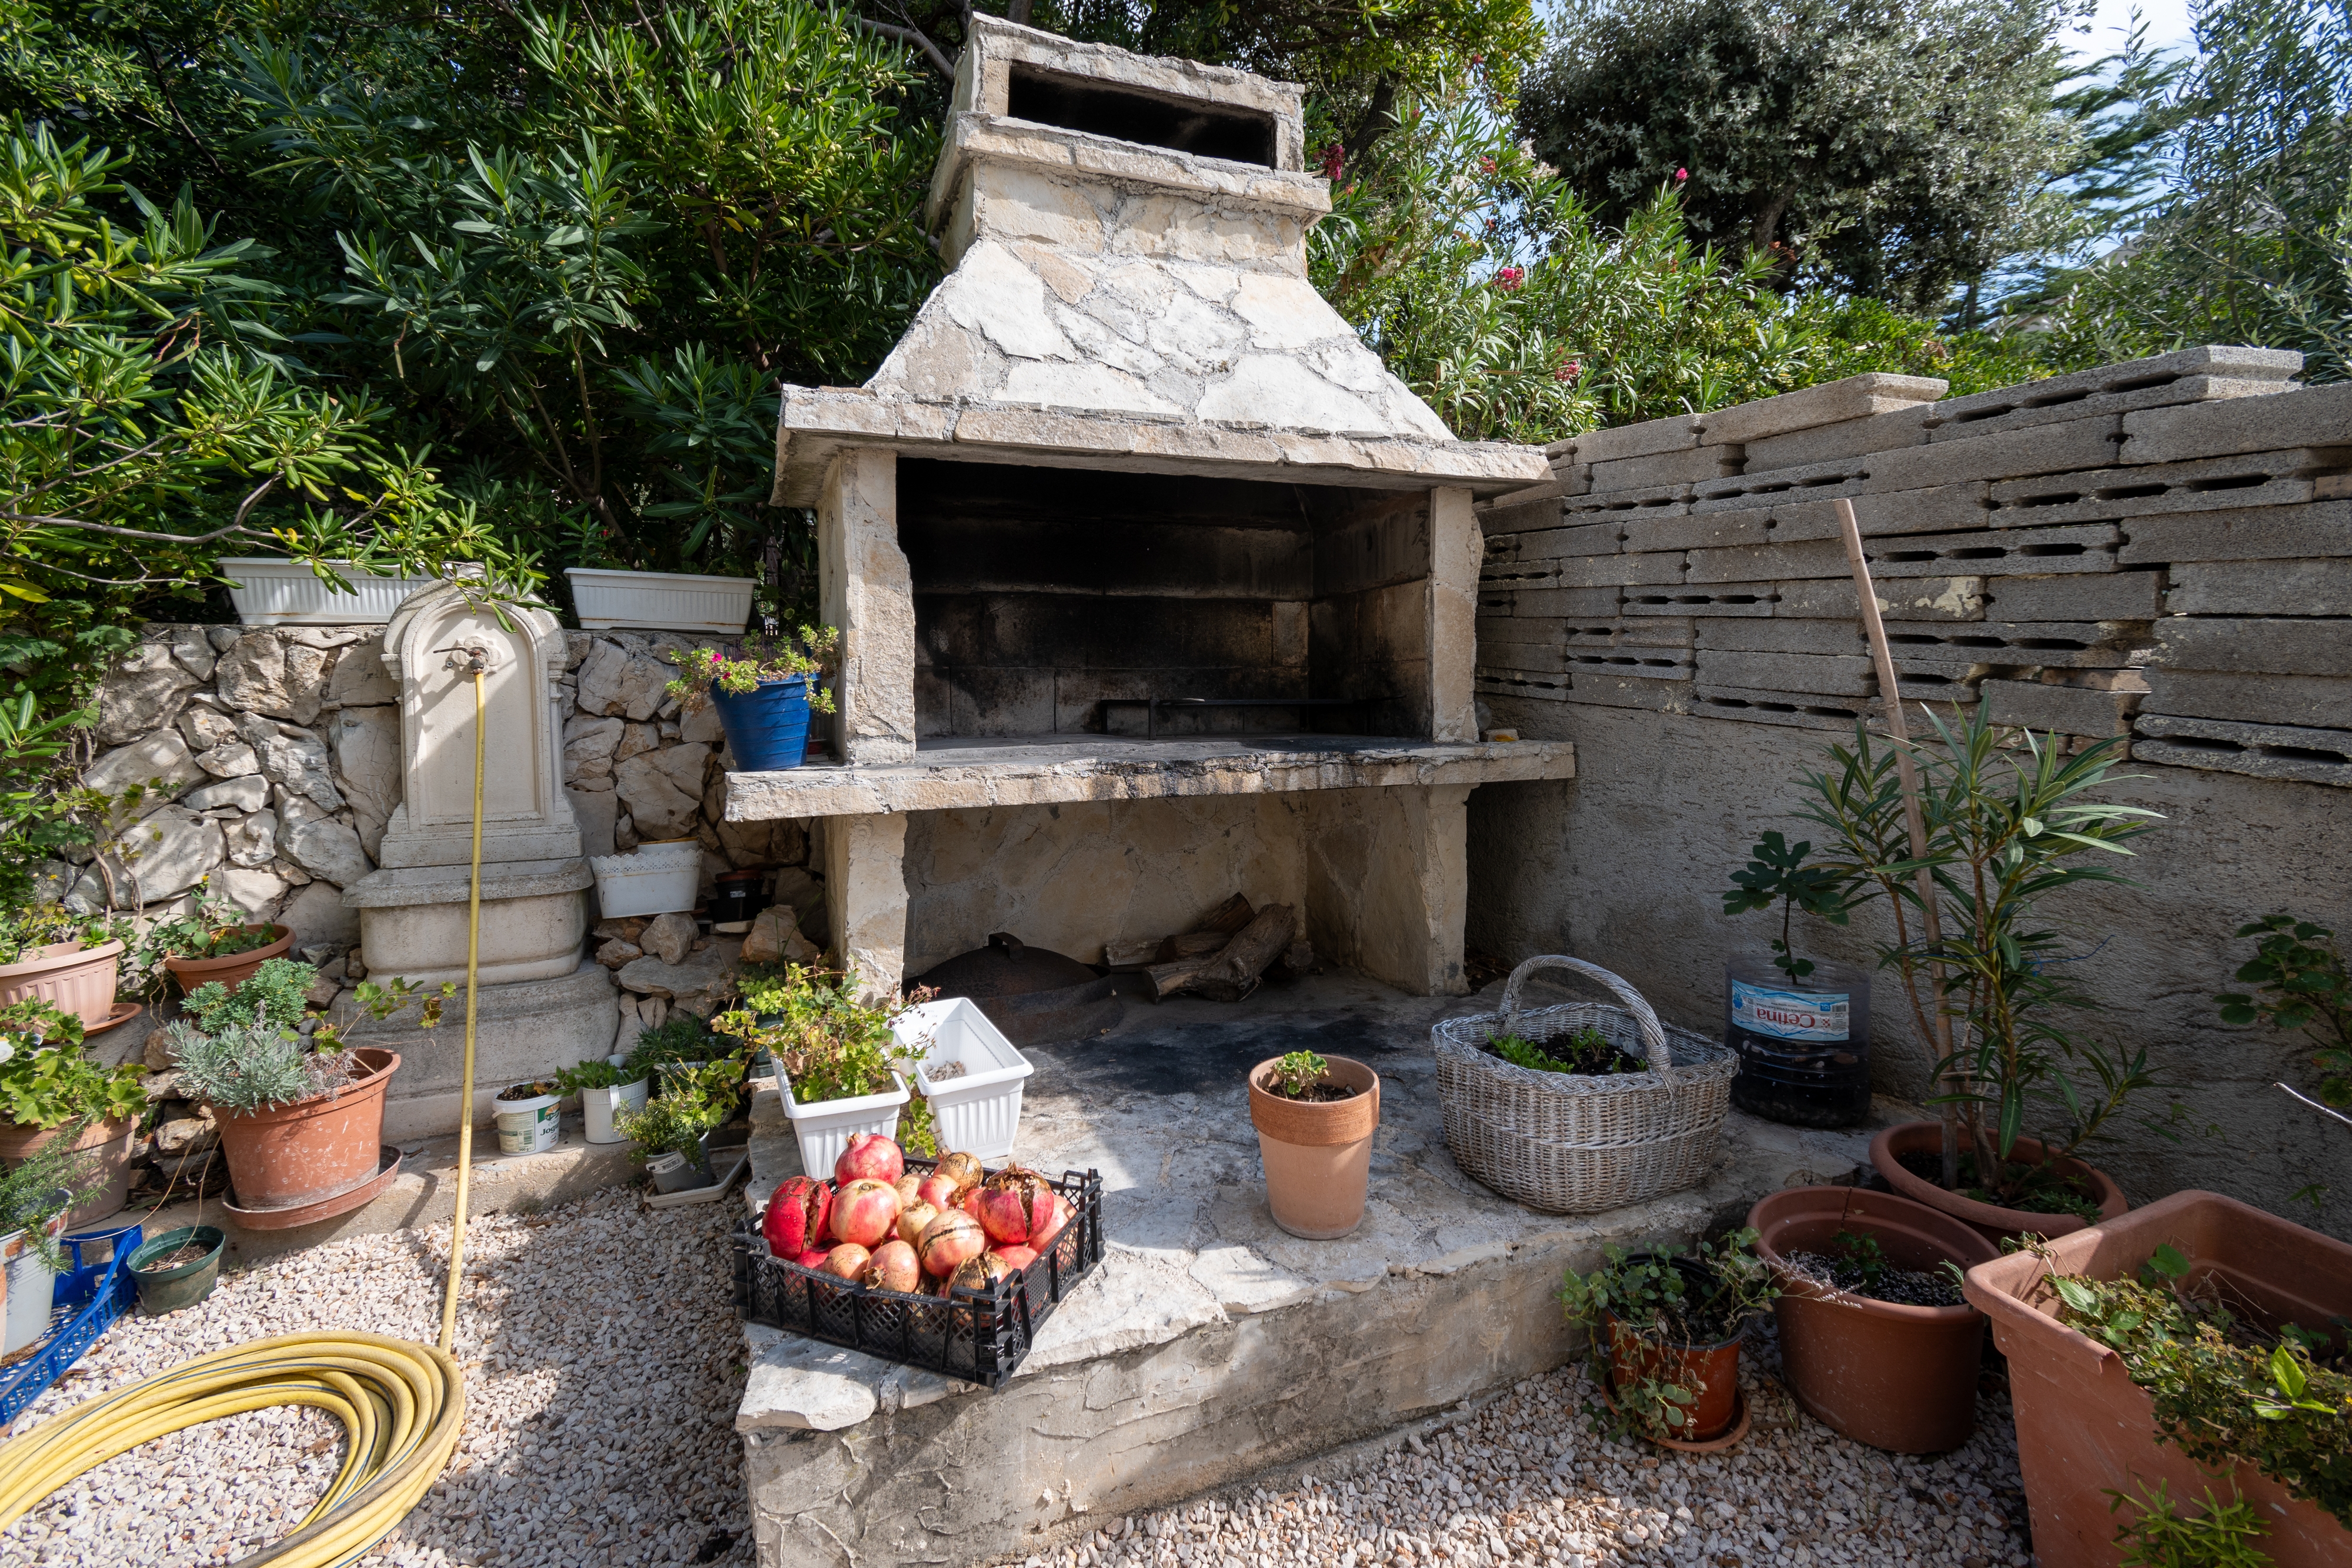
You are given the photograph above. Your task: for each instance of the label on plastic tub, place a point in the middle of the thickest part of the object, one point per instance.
(1788, 1015)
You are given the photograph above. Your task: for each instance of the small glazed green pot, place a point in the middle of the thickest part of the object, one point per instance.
(163, 1290)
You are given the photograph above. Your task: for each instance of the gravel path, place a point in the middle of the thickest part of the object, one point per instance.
(603, 1364)
(1526, 1479)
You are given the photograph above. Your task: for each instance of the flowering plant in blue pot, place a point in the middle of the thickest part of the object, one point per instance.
(764, 694)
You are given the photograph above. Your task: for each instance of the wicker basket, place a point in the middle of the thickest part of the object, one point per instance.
(1573, 1143)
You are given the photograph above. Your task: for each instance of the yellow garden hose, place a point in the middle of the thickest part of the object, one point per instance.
(403, 1405)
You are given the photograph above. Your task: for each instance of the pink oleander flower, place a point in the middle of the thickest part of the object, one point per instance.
(1681, 174)
(1509, 277)
(1335, 158)
(1569, 372)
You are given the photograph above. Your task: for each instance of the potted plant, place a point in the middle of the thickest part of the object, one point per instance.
(269, 591)
(528, 1116)
(35, 1196)
(218, 940)
(608, 598)
(1876, 1340)
(681, 1040)
(2011, 825)
(672, 1134)
(764, 697)
(52, 1094)
(1802, 1026)
(177, 1268)
(606, 1089)
(1666, 1329)
(2195, 1343)
(301, 1122)
(1316, 1117)
(66, 960)
(840, 1066)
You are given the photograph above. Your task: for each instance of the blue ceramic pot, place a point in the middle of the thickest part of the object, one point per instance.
(767, 728)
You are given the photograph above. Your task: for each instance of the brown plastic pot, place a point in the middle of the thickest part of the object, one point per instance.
(1898, 1377)
(1711, 1372)
(2084, 1428)
(1990, 1221)
(1318, 1156)
(68, 977)
(288, 1156)
(110, 1141)
(233, 970)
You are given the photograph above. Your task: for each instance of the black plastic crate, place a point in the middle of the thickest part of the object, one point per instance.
(980, 1336)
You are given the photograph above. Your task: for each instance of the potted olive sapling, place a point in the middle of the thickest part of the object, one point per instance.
(1665, 1329)
(35, 1198)
(764, 696)
(1315, 1119)
(50, 1091)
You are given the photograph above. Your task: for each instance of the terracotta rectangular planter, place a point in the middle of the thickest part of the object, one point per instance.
(2083, 1427)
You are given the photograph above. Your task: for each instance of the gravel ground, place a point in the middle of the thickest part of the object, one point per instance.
(603, 1367)
(1526, 1479)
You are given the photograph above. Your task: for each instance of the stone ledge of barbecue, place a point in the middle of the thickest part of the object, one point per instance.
(1060, 770)
(1051, 150)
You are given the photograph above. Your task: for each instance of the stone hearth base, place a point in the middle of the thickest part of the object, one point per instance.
(1209, 1344)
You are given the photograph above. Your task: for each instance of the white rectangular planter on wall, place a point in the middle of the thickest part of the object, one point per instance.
(289, 593)
(978, 1110)
(825, 1129)
(660, 600)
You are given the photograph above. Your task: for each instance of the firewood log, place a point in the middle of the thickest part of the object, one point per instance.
(1228, 918)
(1134, 953)
(1232, 972)
(1191, 945)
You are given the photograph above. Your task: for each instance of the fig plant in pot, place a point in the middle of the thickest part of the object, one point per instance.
(51, 1093)
(1315, 1119)
(764, 696)
(1666, 1328)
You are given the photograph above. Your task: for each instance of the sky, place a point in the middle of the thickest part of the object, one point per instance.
(2168, 26)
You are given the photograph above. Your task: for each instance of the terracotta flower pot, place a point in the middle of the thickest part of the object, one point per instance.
(233, 970)
(1317, 1154)
(289, 1156)
(68, 977)
(1992, 1222)
(110, 1141)
(2085, 1428)
(1711, 1372)
(1898, 1377)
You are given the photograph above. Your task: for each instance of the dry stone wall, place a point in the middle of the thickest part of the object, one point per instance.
(2158, 551)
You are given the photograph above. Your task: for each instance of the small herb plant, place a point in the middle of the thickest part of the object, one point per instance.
(807, 656)
(45, 1184)
(596, 1073)
(2300, 985)
(1650, 1296)
(46, 925)
(31, 1021)
(681, 1037)
(2157, 1535)
(673, 1123)
(832, 1045)
(1777, 872)
(1297, 1073)
(1586, 1052)
(2224, 1389)
(1862, 1255)
(52, 1086)
(243, 1049)
(277, 991)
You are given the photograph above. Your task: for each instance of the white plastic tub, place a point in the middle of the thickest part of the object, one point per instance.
(527, 1126)
(826, 1128)
(976, 1111)
(663, 600)
(652, 879)
(598, 1107)
(289, 593)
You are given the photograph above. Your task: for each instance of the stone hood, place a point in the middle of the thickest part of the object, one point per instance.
(1131, 300)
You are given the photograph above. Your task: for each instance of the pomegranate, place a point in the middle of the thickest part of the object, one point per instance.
(913, 1218)
(870, 1157)
(906, 1185)
(950, 1240)
(864, 1211)
(1041, 1240)
(1015, 1257)
(969, 1201)
(847, 1261)
(893, 1267)
(1014, 1205)
(796, 1215)
(937, 1190)
(814, 1258)
(980, 1273)
(964, 1170)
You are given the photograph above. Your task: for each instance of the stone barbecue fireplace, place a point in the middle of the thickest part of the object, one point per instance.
(1154, 585)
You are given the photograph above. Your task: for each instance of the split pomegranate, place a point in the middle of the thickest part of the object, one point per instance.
(950, 1240)
(864, 1211)
(796, 1215)
(814, 1258)
(893, 1267)
(913, 1218)
(870, 1157)
(847, 1261)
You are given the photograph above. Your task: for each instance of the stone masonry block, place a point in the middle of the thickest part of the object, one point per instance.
(2314, 702)
(1830, 404)
(2067, 710)
(2116, 596)
(1838, 674)
(1505, 684)
(1635, 662)
(2050, 644)
(2045, 449)
(2186, 375)
(1658, 500)
(1676, 433)
(2308, 416)
(1713, 532)
(2251, 644)
(1918, 599)
(1523, 517)
(1609, 689)
(1556, 602)
(2185, 389)
(2213, 483)
(1936, 509)
(2255, 533)
(1795, 710)
(1759, 563)
(1938, 681)
(2260, 750)
(1607, 571)
(2086, 546)
(2322, 587)
(1851, 438)
(1573, 478)
(1702, 598)
(1783, 635)
(1666, 468)
(1555, 544)
(1811, 482)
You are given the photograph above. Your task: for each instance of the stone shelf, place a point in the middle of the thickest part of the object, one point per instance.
(954, 774)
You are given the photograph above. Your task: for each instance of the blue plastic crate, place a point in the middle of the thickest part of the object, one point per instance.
(85, 1301)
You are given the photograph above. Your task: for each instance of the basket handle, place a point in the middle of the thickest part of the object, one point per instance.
(1654, 1038)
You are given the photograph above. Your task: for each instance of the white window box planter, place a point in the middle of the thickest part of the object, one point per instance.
(826, 1128)
(652, 879)
(660, 600)
(289, 593)
(978, 1110)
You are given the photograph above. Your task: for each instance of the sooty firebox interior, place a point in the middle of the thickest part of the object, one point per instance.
(1064, 601)
(1105, 108)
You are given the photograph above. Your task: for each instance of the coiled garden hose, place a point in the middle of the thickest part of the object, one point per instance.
(403, 1405)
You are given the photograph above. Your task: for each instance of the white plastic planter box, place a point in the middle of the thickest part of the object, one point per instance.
(652, 879)
(661, 600)
(976, 1111)
(289, 593)
(826, 1128)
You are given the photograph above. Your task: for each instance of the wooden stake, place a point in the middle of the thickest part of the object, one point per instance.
(1908, 775)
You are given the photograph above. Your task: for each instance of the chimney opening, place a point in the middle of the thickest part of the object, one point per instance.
(1184, 125)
